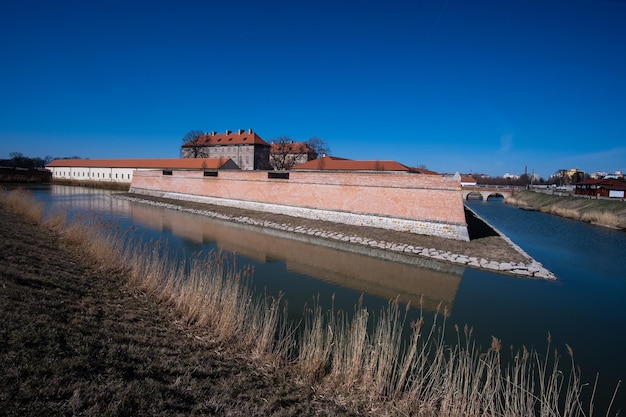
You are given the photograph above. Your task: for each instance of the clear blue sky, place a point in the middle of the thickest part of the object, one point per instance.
(455, 85)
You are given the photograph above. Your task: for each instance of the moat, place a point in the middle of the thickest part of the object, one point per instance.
(583, 307)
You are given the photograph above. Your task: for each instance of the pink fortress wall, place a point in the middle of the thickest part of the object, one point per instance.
(432, 202)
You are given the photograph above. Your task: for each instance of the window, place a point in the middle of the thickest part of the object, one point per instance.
(167, 172)
(210, 173)
(278, 175)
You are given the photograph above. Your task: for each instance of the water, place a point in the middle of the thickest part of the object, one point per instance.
(583, 308)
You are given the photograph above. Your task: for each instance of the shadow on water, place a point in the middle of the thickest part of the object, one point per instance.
(476, 227)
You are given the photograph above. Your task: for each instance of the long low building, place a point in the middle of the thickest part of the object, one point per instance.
(123, 170)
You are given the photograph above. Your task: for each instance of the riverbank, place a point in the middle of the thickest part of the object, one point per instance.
(24, 175)
(94, 326)
(487, 249)
(77, 340)
(105, 185)
(601, 212)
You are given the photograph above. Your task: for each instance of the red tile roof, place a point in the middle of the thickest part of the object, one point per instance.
(167, 163)
(599, 181)
(341, 164)
(241, 137)
(607, 183)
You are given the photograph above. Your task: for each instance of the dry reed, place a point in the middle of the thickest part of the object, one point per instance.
(360, 359)
(24, 203)
(603, 212)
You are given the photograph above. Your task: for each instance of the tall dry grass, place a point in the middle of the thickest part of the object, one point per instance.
(24, 203)
(375, 363)
(609, 213)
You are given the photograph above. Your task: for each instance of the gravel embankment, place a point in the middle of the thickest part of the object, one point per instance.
(489, 251)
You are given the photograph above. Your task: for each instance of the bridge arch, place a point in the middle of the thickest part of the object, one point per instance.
(474, 195)
(487, 192)
(495, 196)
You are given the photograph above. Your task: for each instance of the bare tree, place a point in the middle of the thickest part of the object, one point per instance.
(192, 146)
(319, 146)
(285, 153)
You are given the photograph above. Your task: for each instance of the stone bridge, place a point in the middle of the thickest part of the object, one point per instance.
(488, 192)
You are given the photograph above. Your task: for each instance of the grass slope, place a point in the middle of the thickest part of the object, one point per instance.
(75, 340)
(608, 213)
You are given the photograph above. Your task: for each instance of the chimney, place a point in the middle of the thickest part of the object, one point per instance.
(228, 132)
(250, 130)
(240, 131)
(214, 133)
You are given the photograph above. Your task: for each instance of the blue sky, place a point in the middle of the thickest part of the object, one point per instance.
(455, 85)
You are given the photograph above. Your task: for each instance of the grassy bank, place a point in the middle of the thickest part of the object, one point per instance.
(360, 359)
(602, 212)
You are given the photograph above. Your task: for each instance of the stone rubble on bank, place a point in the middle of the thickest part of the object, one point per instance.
(533, 269)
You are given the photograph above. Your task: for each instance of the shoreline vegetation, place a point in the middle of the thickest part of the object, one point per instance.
(600, 212)
(107, 325)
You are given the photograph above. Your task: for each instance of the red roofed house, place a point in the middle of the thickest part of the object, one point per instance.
(284, 155)
(246, 148)
(467, 181)
(332, 163)
(121, 170)
(603, 187)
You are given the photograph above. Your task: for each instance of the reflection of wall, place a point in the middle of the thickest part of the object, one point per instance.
(89, 199)
(360, 272)
(425, 204)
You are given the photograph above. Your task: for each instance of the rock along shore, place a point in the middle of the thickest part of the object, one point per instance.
(529, 268)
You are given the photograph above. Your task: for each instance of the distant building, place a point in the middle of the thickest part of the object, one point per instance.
(575, 175)
(468, 181)
(122, 170)
(603, 174)
(247, 149)
(332, 163)
(602, 187)
(510, 176)
(285, 155)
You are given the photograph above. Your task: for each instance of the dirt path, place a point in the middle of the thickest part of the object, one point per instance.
(75, 340)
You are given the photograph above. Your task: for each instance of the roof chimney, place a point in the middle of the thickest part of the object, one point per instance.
(214, 133)
(228, 132)
(240, 131)
(250, 130)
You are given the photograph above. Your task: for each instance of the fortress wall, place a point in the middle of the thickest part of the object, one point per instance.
(416, 203)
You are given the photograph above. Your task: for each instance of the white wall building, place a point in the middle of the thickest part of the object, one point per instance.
(122, 170)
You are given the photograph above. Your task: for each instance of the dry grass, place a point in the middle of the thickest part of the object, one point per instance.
(608, 213)
(362, 360)
(429, 377)
(23, 202)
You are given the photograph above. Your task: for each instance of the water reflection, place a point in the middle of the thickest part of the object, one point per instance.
(80, 199)
(313, 257)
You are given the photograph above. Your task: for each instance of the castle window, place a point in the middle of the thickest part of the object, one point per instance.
(278, 175)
